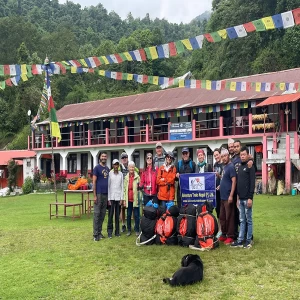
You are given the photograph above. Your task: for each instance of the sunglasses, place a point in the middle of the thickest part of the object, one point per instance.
(149, 157)
(124, 157)
(185, 153)
(168, 157)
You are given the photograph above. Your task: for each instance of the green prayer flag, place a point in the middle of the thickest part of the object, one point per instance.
(123, 56)
(101, 60)
(217, 38)
(203, 84)
(228, 85)
(259, 25)
(124, 76)
(179, 46)
(1, 70)
(150, 79)
(29, 72)
(147, 50)
(2, 85)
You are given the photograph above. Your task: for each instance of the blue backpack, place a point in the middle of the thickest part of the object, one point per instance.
(180, 165)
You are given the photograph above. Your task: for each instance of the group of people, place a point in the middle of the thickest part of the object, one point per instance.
(123, 188)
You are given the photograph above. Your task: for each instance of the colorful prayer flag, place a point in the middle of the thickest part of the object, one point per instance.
(259, 25)
(179, 47)
(187, 44)
(288, 19)
(249, 27)
(277, 20)
(296, 13)
(268, 22)
(223, 33)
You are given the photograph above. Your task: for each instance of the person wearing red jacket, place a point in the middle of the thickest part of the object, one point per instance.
(166, 180)
(148, 180)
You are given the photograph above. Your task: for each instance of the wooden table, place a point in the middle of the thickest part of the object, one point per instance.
(82, 192)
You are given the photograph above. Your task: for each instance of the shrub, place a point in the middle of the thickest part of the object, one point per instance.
(36, 175)
(28, 185)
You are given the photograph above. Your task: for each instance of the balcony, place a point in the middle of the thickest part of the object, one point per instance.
(218, 128)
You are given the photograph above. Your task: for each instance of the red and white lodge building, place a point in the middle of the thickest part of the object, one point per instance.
(267, 122)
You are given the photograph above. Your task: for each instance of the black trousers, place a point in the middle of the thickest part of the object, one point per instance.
(178, 197)
(99, 213)
(218, 204)
(113, 209)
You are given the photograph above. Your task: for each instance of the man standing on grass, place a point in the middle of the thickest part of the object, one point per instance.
(227, 188)
(124, 169)
(115, 195)
(100, 189)
(245, 192)
(231, 148)
(159, 158)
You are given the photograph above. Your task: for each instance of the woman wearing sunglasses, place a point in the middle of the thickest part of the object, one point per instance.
(148, 180)
(166, 180)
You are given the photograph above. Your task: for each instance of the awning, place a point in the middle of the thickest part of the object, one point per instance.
(46, 156)
(280, 99)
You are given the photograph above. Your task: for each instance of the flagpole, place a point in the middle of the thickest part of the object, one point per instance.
(52, 151)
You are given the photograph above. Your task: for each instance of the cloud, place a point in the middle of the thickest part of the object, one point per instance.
(175, 11)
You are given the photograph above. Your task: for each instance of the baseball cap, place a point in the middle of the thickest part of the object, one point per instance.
(124, 154)
(185, 149)
(158, 144)
(115, 161)
(170, 153)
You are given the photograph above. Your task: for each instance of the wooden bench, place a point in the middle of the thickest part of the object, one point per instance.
(65, 205)
(89, 206)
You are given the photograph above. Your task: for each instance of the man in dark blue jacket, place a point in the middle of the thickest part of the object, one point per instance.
(245, 191)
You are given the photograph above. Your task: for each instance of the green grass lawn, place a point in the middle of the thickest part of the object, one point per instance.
(57, 259)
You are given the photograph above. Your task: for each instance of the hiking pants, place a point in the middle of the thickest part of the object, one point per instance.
(113, 209)
(99, 213)
(227, 215)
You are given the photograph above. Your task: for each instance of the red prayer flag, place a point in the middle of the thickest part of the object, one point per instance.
(6, 70)
(172, 49)
(91, 70)
(35, 71)
(296, 13)
(248, 86)
(119, 76)
(143, 54)
(209, 37)
(272, 86)
(118, 57)
(198, 84)
(223, 84)
(296, 86)
(77, 63)
(8, 82)
(145, 79)
(249, 27)
(62, 68)
(97, 61)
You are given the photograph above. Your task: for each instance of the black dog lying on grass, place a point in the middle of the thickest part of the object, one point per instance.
(191, 271)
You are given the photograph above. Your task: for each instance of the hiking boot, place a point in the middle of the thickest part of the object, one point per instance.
(117, 235)
(96, 239)
(101, 236)
(110, 236)
(222, 238)
(248, 245)
(228, 241)
(128, 233)
(123, 228)
(237, 244)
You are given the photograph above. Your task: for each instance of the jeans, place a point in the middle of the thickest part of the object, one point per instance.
(99, 213)
(136, 213)
(113, 209)
(245, 218)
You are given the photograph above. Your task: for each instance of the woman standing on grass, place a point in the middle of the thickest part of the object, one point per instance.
(148, 180)
(202, 166)
(131, 198)
(166, 180)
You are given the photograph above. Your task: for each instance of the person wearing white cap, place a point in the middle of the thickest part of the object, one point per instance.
(231, 147)
(115, 195)
(159, 158)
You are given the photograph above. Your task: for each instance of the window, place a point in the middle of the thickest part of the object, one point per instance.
(258, 161)
(72, 163)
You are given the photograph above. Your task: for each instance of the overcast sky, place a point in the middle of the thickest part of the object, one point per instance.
(174, 11)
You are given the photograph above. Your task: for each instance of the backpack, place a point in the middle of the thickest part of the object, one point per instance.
(206, 229)
(166, 230)
(180, 164)
(186, 225)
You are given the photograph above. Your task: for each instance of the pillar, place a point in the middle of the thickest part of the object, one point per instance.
(221, 126)
(250, 123)
(126, 134)
(89, 137)
(288, 166)
(296, 143)
(63, 163)
(147, 133)
(193, 129)
(274, 148)
(28, 142)
(264, 173)
(94, 154)
(106, 136)
(71, 139)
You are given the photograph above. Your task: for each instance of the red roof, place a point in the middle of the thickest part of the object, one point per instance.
(5, 156)
(280, 99)
(172, 99)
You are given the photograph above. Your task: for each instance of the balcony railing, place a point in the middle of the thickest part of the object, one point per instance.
(202, 129)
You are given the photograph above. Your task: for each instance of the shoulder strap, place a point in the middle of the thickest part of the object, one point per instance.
(191, 165)
(179, 165)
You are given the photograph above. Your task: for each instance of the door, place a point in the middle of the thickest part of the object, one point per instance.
(84, 164)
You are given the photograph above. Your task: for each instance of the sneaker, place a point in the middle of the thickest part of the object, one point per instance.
(128, 233)
(123, 228)
(96, 239)
(101, 236)
(222, 238)
(248, 245)
(110, 236)
(137, 233)
(228, 241)
(237, 244)
(117, 235)
(219, 234)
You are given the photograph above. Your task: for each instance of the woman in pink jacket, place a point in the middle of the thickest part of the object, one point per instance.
(148, 180)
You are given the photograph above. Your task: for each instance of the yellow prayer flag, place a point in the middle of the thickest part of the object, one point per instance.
(181, 83)
(223, 33)
(282, 86)
(128, 56)
(23, 69)
(24, 77)
(155, 80)
(233, 86)
(105, 60)
(73, 70)
(210, 109)
(208, 84)
(130, 77)
(153, 52)
(257, 86)
(101, 72)
(82, 61)
(187, 44)
(268, 22)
